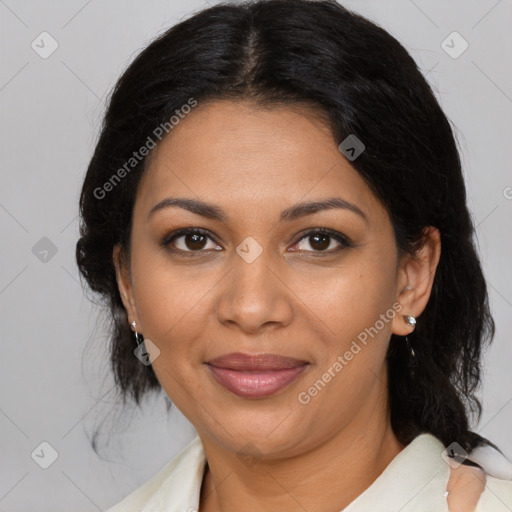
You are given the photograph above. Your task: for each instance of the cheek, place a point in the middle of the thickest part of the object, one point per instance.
(166, 293)
(168, 305)
(353, 297)
(357, 305)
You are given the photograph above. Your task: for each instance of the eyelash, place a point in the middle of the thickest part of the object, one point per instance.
(339, 237)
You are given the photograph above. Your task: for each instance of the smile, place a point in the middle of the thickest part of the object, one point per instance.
(255, 376)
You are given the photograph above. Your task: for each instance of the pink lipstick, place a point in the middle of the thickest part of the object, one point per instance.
(255, 376)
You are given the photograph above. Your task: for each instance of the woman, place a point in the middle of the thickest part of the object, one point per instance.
(275, 213)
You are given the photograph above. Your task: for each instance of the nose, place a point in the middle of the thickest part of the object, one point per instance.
(254, 296)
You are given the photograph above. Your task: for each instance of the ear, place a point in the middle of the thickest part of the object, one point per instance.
(124, 284)
(415, 278)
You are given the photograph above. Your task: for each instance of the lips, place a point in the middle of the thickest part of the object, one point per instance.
(255, 376)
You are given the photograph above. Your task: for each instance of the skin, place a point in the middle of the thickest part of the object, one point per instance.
(465, 485)
(253, 164)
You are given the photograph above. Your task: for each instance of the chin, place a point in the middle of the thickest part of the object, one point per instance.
(272, 432)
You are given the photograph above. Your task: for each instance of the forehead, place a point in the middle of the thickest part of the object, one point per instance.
(235, 153)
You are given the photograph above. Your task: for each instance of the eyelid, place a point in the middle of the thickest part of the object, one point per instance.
(171, 237)
(342, 239)
(338, 236)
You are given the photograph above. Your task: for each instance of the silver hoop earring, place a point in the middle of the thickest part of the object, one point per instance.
(410, 320)
(137, 336)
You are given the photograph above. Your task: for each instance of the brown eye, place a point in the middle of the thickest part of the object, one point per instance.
(319, 242)
(194, 241)
(189, 240)
(322, 240)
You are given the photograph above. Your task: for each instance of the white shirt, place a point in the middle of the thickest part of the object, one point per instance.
(414, 481)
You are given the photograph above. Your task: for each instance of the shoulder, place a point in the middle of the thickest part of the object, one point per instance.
(496, 497)
(181, 473)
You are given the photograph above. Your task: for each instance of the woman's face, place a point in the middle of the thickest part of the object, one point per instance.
(259, 282)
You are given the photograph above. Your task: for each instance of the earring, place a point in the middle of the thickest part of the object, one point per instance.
(410, 347)
(137, 338)
(410, 320)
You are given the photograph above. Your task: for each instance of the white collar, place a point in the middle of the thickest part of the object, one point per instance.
(415, 480)
(180, 490)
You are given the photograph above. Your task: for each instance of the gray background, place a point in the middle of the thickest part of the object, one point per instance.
(54, 378)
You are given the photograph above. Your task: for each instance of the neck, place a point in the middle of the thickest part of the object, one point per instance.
(324, 479)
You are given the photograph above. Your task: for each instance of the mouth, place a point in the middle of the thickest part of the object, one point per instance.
(255, 376)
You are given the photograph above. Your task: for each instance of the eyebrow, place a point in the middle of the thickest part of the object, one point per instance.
(213, 212)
